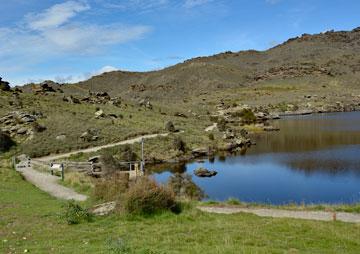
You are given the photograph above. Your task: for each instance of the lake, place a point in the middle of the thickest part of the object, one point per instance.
(312, 159)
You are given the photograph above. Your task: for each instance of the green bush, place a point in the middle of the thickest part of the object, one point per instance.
(221, 124)
(146, 197)
(75, 214)
(128, 154)
(247, 116)
(211, 136)
(169, 126)
(179, 144)
(5, 142)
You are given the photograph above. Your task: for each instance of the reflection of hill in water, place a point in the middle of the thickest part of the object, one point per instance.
(310, 134)
(327, 166)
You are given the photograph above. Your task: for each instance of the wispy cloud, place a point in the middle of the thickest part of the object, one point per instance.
(194, 3)
(273, 1)
(56, 15)
(82, 77)
(55, 32)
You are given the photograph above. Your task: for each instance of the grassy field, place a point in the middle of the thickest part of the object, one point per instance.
(30, 221)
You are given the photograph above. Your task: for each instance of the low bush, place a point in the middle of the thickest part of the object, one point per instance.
(75, 214)
(146, 197)
(169, 126)
(247, 116)
(179, 144)
(5, 142)
(184, 188)
(111, 188)
(221, 124)
(211, 136)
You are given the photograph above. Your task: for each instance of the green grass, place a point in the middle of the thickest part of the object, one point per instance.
(30, 220)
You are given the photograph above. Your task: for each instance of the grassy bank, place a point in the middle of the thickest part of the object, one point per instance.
(30, 220)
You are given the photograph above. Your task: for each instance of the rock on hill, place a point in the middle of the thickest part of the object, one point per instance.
(319, 58)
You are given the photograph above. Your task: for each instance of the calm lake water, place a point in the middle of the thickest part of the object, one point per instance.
(313, 159)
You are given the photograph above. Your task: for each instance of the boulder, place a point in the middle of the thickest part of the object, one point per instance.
(203, 172)
(99, 114)
(61, 137)
(22, 131)
(199, 152)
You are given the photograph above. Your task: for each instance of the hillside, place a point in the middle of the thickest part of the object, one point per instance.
(311, 73)
(319, 58)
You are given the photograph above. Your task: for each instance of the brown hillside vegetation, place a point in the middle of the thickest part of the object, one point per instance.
(320, 58)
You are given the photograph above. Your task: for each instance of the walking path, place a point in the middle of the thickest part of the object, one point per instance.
(48, 183)
(97, 148)
(277, 213)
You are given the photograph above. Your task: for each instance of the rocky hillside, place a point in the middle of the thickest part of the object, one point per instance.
(320, 58)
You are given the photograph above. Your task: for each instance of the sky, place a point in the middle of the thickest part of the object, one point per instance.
(72, 40)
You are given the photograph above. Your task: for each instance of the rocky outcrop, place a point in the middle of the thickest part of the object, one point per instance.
(4, 85)
(46, 87)
(71, 99)
(20, 124)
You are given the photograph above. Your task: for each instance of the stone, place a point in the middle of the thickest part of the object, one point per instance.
(271, 128)
(22, 131)
(104, 209)
(198, 152)
(61, 137)
(100, 113)
(203, 172)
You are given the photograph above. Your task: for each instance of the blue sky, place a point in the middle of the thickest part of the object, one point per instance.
(68, 41)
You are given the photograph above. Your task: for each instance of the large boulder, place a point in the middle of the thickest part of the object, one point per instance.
(203, 172)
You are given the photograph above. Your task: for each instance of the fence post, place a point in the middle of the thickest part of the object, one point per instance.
(62, 172)
(13, 162)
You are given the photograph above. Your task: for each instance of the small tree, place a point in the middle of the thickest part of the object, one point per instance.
(179, 144)
(169, 126)
(5, 142)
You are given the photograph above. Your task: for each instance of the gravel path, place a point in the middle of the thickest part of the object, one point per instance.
(277, 213)
(97, 148)
(48, 183)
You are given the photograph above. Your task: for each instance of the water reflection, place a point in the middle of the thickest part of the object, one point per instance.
(313, 159)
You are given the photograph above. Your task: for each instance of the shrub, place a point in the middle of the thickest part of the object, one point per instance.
(109, 164)
(211, 136)
(111, 188)
(37, 127)
(169, 126)
(128, 154)
(179, 144)
(221, 124)
(75, 214)
(146, 197)
(248, 116)
(5, 142)
(183, 187)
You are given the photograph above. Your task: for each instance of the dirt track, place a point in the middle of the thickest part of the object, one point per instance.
(277, 213)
